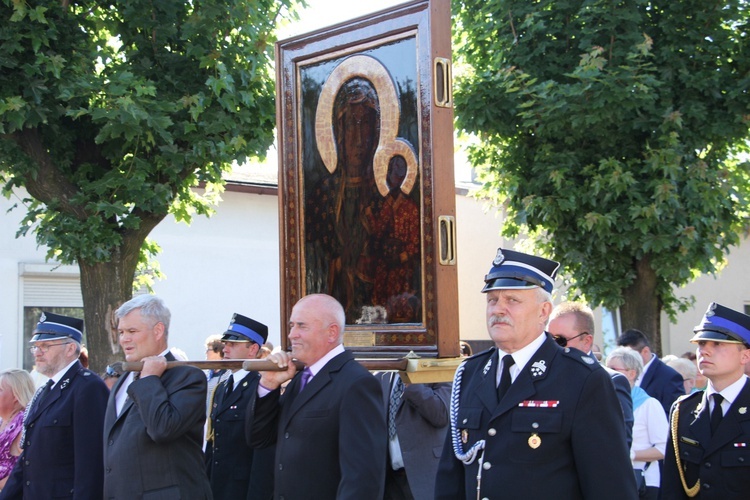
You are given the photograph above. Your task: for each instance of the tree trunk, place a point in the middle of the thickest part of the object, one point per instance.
(642, 308)
(104, 287)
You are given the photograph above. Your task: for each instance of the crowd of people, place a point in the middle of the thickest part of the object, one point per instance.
(535, 416)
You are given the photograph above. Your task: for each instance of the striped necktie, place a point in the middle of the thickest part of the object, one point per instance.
(33, 405)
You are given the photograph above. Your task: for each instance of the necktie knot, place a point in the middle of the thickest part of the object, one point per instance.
(505, 380)
(306, 376)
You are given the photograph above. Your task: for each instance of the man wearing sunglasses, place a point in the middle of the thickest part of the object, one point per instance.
(572, 325)
(61, 440)
(531, 419)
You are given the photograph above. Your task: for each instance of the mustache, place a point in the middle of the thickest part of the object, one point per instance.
(494, 320)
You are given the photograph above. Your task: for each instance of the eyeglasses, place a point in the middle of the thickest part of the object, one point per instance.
(562, 341)
(111, 372)
(44, 348)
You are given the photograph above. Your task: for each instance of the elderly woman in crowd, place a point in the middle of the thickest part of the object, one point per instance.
(650, 427)
(16, 390)
(684, 367)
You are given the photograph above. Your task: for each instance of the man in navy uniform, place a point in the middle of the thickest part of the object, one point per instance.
(708, 451)
(234, 470)
(62, 453)
(529, 418)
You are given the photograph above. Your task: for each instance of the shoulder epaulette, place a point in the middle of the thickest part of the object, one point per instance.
(582, 358)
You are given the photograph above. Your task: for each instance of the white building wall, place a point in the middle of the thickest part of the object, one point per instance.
(215, 267)
(230, 263)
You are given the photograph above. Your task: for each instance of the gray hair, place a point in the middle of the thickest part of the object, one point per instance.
(543, 295)
(683, 366)
(629, 358)
(151, 307)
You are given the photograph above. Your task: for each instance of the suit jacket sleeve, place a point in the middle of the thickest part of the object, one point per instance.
(362, 441)
(430, 401)
(450, 480)
(622, 388)
(88, 428)
(169, 414)
(262, 419)
(597, 421)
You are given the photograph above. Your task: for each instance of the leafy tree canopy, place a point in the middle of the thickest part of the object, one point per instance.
(609, 130)
(111, 112)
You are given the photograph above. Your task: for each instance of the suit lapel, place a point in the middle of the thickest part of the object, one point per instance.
(730, 427)
(486, 388)
(317, 383)
(236, 394)
(650, 374)
(56, 391)
(535, 371)
(700, 425)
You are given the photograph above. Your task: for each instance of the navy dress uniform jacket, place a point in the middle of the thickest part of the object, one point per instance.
(721, 462)
(230, 462)
(331, 438)
(61, 456)
(662, 382)
(154, 448)
(572, 449)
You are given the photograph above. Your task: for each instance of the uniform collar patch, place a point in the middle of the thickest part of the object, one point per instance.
(538, 368)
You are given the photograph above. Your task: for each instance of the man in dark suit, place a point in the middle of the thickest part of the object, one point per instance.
(417, 418)
(708, 451)
(572, 325)
(153, 428)
(62, 456)
(658, 380)
(329, 426)
(234, 470)
(529, 419)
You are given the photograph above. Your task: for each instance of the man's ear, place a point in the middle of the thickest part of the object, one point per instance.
(159, 331)
(333, 333)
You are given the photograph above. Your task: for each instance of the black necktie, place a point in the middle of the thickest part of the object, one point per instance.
(230, 386)
(504, 384)
(716, 413)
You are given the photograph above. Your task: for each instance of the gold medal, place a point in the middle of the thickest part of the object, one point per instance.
(535, 441)
(464, 436)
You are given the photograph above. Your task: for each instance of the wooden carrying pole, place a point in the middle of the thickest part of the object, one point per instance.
(255, 365)
(414, 370)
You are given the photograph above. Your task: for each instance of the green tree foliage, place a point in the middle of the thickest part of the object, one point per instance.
(608, 129)
(110, 113)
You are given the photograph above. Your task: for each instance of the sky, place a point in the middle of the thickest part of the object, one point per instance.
(322, 13)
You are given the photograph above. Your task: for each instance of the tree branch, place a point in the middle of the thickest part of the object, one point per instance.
(49, 184)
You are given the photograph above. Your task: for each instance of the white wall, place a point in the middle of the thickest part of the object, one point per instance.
(230, 263)
(214, 268)
(218, 266)
(730, 288)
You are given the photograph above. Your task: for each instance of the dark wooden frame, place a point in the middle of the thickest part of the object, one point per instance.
(428, 21)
